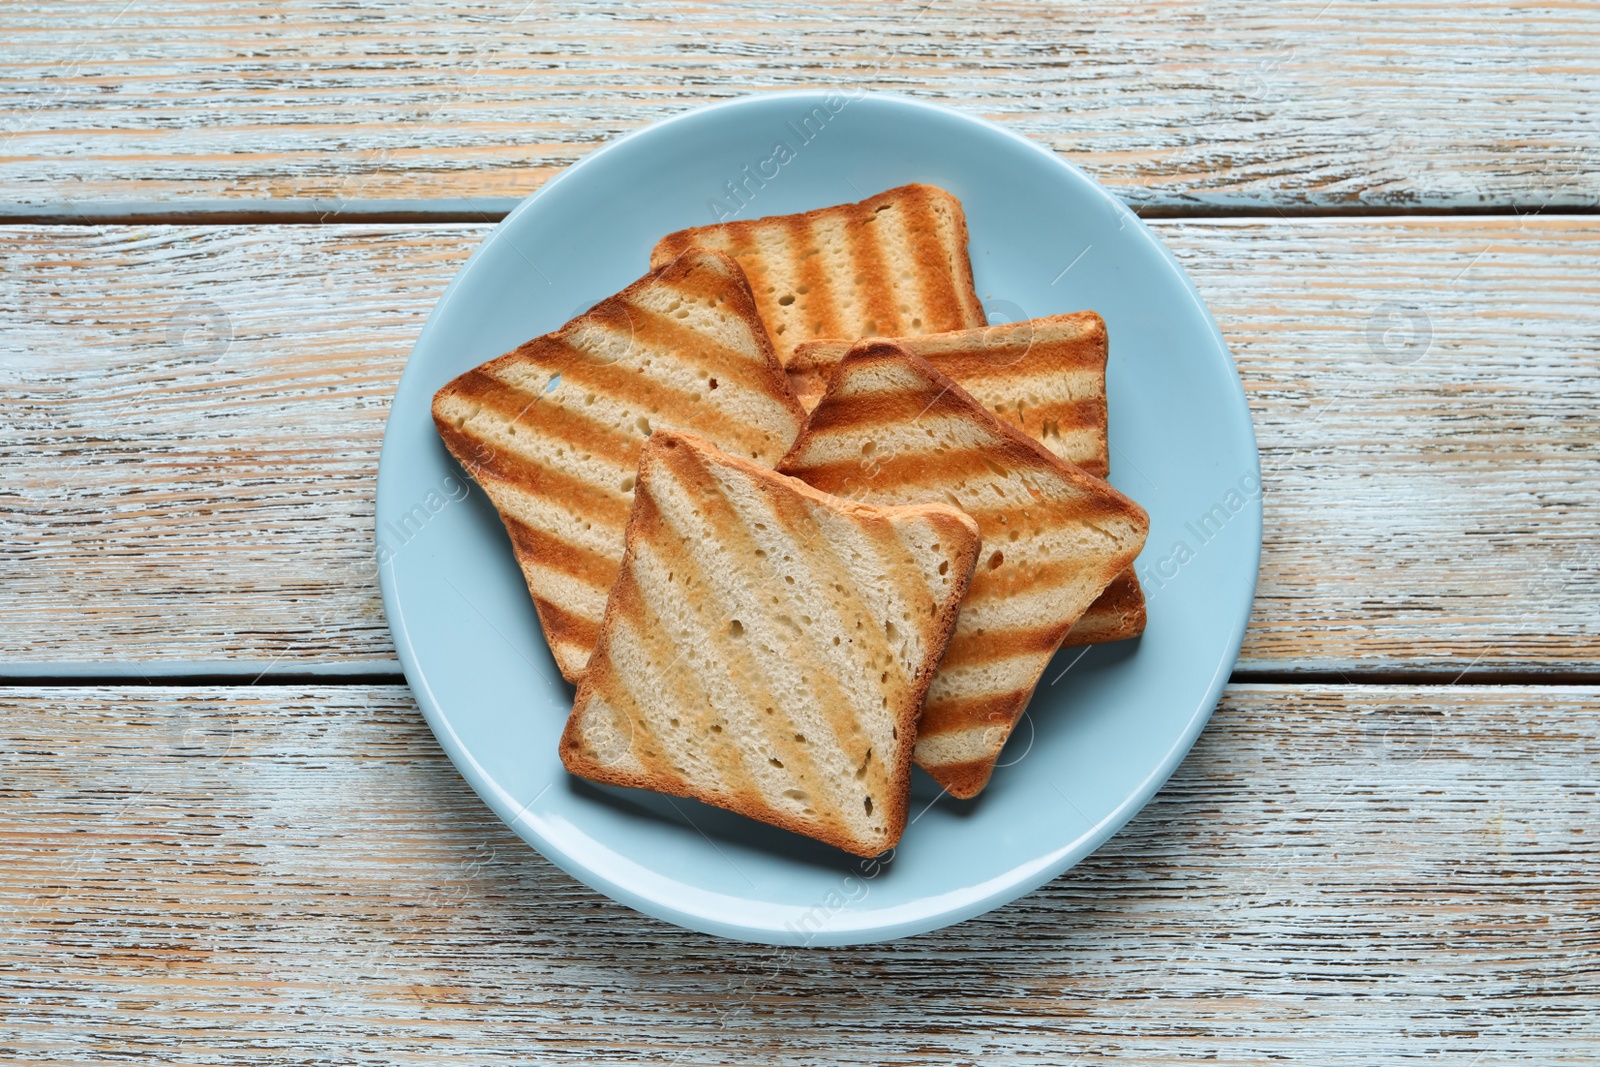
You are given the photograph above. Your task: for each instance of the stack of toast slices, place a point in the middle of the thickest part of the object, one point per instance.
(795, 517)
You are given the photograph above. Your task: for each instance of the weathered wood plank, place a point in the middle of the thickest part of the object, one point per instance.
(1337, 875)
(1224, 104)
(202, 444)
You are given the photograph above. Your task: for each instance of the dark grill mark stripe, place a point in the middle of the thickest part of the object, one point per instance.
(731, 369)
(596, 569)
(564, 627)
(818, 317)
(881, 309)
(956, 714)
(932, 247)
(1012, 577)
(526, 476)
(553, 420)
(888, 409)
(920, 477)
(1013, 362)
(1067, 415)
(626, 384)
(967, 773)
(1086, 511)
(973, 647)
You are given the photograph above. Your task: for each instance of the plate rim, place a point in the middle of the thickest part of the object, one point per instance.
(1021, 878)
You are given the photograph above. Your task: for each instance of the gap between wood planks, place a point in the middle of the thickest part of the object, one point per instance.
(494, 209)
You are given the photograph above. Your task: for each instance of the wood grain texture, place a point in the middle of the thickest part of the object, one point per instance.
(1337, 876)
(200, 448)
(1223, 105)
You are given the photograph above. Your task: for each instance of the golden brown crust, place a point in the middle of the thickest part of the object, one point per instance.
(945, 297)
(1118, 614)
(704, 272)
(965, 780)
(667, 448)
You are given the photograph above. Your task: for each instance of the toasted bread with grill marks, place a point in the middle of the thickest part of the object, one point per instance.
(553, 429)
(1046, 377)
(766, 647)
(892, 264)
(893, 430)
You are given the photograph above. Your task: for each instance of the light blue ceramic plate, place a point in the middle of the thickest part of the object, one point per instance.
(1105, 728)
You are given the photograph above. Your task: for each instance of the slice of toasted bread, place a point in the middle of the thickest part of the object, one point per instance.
(893, 430)
(766, 647)
(553, 429)
(1046, 377)
(892, 264)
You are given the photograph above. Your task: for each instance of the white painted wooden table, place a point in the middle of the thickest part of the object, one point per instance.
(226, 835)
